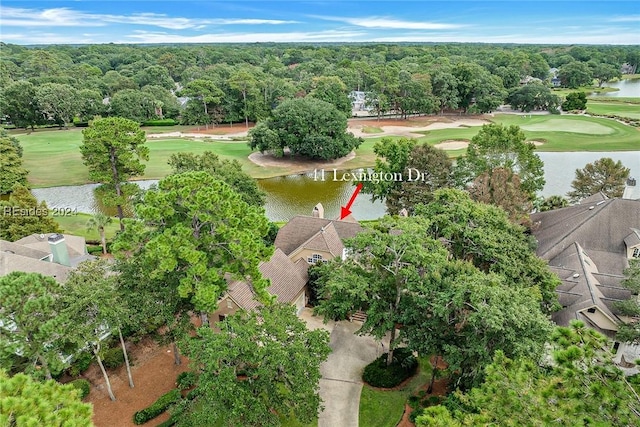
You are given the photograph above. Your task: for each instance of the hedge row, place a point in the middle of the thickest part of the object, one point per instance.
(158, 407)
(403, 366)
(160, 122)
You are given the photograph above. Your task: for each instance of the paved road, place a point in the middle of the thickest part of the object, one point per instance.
(341, 381)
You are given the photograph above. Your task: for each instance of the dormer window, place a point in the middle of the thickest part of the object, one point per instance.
(315, 258)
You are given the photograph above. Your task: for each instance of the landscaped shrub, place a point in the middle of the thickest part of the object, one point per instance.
(158, 407)
(160, 122)
(186, 380)
(113, 357)
(415, 414)
(80, 364)
(83, 385)
(378, 374)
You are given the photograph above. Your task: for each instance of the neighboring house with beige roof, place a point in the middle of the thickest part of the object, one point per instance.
(302, 242)
(52, 254)
(589, 245)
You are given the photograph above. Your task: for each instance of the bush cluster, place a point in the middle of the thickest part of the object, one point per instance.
(160, 122)
(80, 364)
(378, 374)
(158, 407)
(186, 380)
(113, 357)
(83, 386)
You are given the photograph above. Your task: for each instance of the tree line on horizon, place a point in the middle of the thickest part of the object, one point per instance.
(213, 84)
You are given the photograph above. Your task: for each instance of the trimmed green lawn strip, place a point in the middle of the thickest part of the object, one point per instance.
(631, 111)
(382, 408)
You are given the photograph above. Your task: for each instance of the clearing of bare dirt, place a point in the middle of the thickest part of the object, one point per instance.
(154, 373)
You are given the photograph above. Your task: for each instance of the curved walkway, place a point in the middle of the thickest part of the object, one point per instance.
(341, 381)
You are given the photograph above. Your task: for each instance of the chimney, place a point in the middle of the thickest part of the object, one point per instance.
(318, 211)
(631, 182)
(59, 249)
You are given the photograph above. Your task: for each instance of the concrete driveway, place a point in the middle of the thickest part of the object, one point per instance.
(341, 381)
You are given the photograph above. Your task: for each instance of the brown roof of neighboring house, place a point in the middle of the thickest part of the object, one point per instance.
(13, 262)
(287, 279)
(600, 227)
(302, 228)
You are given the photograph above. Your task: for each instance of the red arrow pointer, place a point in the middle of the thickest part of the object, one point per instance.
(344, 210)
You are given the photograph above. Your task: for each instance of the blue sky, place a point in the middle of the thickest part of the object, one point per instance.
(509, 21)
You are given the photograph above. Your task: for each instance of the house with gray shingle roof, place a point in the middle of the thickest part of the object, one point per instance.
(52, 254)
(302, 242)
(589, 245)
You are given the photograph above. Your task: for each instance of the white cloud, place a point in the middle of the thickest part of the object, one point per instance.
(612, 37)
(65, 17)
(390, 23)
(288, 37)
(630, 18)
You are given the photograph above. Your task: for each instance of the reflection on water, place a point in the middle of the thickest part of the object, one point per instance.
(80, 197)
(629, 88)
(560, 168)
(292, 195)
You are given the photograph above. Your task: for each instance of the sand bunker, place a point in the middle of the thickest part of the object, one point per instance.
(452, 145)
(296, 164)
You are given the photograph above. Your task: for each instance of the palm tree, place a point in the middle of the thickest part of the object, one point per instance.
(99, 221)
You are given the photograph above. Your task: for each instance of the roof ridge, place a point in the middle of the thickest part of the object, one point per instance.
(577, 225)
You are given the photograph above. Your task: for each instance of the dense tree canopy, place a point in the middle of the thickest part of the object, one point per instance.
(424, 169)
(483, 235)
(308, 127)
(32, 332)
(261, 365)
(11, 170)
(405, 271)
(193, 230)
(498, 146)
(501, 187)
(583, 387)
(22, 215)
(533, 96)
(27, 402)
(603, 175)
(229, 171)
(252, 80)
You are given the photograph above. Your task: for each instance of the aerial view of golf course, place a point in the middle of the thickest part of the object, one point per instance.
(331, 214)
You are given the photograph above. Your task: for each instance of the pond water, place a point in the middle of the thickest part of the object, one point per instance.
(627, 88)
(298, 194)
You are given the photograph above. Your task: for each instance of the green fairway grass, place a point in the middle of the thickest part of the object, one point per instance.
(53, 156)
(540, 128)
(621, 109)
(556, 124)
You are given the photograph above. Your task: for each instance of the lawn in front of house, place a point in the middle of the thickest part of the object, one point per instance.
(384, 408)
